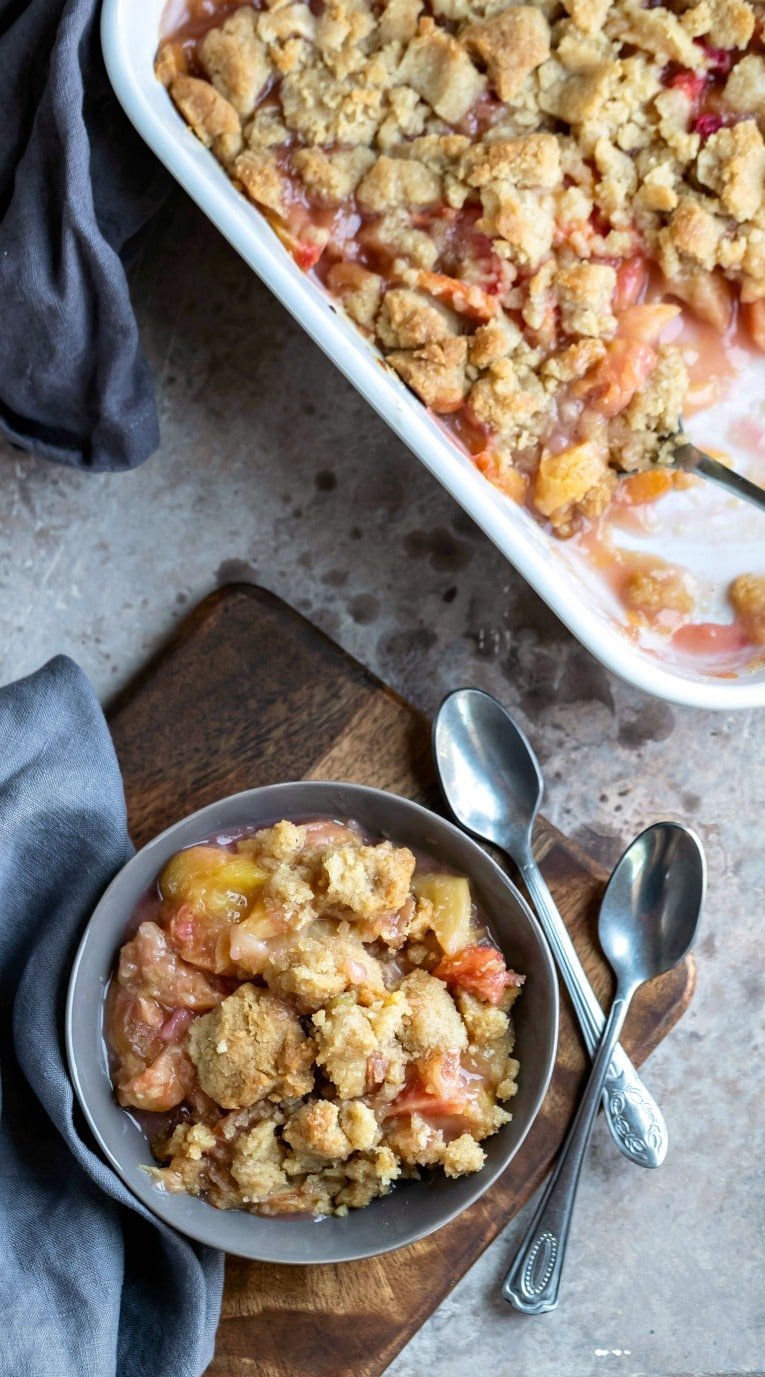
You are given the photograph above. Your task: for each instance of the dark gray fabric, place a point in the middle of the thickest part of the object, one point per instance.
(76, 185)
(91, 1284)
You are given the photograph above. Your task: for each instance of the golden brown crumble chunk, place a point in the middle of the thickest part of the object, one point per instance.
(436, 372)
(324, 109)
(369, 880)
(725, 23)
(210, 115)
(367, 1176)
(745, 87)
(732, 163)
(494, 340)
(462, 1156)
(359, 1124)
(398, 182)
(315, 1131)
(186, 1151)
(257, 1163)
(360, 292)
(510, 399)
(312, 966)
(417, 1141)
(661, 34)
(249, 1047)
(747, 594)
(431, 1019)
(236, 61)
(395, 236)
(398, 22)
(484, 1023)
(332, 177)
(511, 45)
(409, 319)
(529, 160)
(358, 1045)
(653, 591)
(570, 478)
(441, 72)
(585, 295)
(260, 176)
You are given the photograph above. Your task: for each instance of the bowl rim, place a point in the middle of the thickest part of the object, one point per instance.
(150, 1197)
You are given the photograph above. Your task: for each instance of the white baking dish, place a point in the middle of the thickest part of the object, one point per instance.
(715, 536)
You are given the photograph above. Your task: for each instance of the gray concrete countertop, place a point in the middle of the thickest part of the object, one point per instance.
(272, 468)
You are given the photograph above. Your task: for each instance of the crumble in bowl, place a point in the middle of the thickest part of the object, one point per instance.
(314, 1017)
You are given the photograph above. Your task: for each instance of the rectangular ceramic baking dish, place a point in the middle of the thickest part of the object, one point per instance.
(715, 537)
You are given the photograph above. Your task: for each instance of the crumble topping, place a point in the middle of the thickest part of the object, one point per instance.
(653, 592)
(491, 190)
(747, 595)
(511, 46)
(315, 1017)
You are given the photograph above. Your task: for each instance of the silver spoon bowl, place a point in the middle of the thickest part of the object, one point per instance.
(493, 784)
(648, 920)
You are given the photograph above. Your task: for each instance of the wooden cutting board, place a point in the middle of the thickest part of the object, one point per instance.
(248, 693)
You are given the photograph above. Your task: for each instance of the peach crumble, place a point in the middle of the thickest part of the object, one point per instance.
(747, 595)
(492, 189)
(303, 1018)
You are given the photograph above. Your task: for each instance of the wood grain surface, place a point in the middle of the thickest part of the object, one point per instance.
(249, 693)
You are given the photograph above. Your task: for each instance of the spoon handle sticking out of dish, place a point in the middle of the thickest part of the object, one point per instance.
(648, 920)
(493, 784)
(687, 458)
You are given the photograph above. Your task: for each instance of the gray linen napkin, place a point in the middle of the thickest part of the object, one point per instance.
(90, 1282)
(76, 186)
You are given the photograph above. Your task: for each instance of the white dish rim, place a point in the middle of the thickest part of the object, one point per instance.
(249, 233)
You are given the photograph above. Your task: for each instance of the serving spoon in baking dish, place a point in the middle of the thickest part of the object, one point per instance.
(687, 458)
(493, 784)
(648, 920)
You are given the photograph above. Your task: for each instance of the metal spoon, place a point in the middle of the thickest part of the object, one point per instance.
(689, 459)
(493, 784)
(648, 920)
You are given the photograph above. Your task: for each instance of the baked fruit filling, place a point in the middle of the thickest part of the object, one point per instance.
(313, 1017)
(511, 199)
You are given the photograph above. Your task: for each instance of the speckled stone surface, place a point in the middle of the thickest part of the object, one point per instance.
(273, 469)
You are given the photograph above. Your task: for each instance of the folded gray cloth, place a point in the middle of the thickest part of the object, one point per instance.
(90, 1282)
(76, 184)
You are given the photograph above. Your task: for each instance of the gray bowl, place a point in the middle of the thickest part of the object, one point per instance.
(415, 1208)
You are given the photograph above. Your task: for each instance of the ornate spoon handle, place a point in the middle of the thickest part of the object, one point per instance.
(634, 1119)
(533, 1282)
